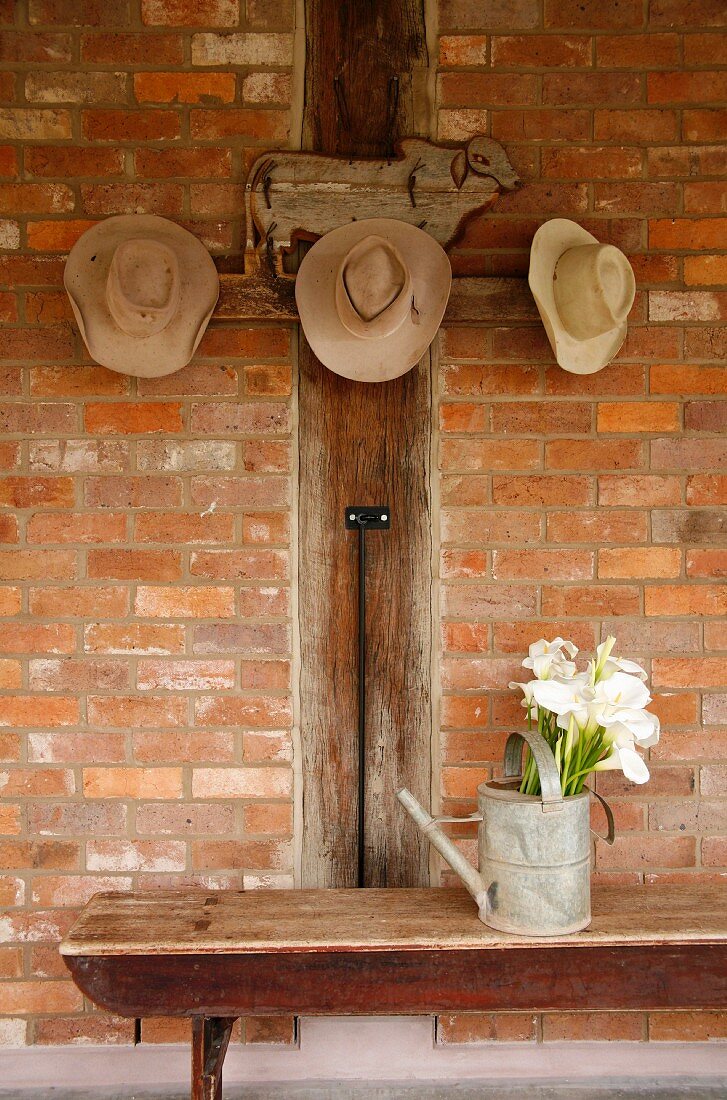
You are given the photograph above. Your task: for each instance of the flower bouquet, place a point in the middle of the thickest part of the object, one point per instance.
(593, 720)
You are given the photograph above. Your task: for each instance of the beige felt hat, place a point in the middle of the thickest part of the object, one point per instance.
(583, 291)
(371, 296)
(143, 290)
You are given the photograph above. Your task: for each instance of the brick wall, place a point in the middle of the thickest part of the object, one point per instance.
(146, 729)
(592, 505)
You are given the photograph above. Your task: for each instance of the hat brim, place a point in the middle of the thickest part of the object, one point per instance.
(378, 359)
(85, 276)
(577, 356)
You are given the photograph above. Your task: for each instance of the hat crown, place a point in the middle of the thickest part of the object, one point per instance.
(373, 288)
(594, 288)
(143, 286)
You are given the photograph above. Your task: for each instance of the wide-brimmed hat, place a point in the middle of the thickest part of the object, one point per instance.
(371, 296)
(583, 291)
(142, 290)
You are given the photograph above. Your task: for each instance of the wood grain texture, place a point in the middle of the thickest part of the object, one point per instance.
(385, 983)
(293, 195)
(364, 444)
(366, 71)
(472, 301)
(332, 921)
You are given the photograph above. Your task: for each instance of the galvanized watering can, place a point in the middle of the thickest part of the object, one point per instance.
(534, 875)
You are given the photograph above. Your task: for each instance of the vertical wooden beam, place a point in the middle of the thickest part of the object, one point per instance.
(363, 444)
(365, 81)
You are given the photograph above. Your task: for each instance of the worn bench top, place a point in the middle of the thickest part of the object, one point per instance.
(294, 921)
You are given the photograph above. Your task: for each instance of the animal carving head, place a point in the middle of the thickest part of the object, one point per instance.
(483, 157)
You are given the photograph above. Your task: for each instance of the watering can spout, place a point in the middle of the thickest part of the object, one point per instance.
(449, 851)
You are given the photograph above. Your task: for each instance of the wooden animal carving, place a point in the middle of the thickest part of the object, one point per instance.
(304, 195)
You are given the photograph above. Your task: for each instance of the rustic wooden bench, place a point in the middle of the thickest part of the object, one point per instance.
(218, 956)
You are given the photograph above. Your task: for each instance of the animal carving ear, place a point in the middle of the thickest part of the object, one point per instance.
(459, 168)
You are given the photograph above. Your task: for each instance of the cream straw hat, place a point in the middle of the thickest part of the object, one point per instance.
(583, 291)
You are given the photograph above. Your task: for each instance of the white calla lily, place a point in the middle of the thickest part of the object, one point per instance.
(546, 658)
(628, 760)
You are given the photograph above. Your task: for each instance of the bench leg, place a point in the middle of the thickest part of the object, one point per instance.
(210, 1036)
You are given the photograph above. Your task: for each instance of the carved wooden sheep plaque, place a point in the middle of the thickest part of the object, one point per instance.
(304, 195)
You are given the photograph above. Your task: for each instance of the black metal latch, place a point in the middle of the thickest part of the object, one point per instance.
(372, 518)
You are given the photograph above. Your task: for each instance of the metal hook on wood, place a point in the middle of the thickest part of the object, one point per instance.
(411, 181)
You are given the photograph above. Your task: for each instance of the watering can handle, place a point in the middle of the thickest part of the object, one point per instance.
(611, 834)
(551, 793)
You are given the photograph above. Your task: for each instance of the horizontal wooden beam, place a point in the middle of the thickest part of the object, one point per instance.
(472, 301)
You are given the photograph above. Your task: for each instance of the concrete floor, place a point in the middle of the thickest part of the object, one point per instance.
(615, 1089)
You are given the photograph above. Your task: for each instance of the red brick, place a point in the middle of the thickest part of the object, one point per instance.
(58, 565)
(133, 783)
(687, 87)
(591, 162)
(638, 490)
(601, 526)
(600, 1026)
(128, 198)
(637, 51)
(548, 564)
(707, 563)
(705, 270)
(188, 745)
(459, 50)
(126, 50)
(134, 638)
(706, 125)
(541, 51)
(705, 49)
(64, 747)
(627, 14)
(136, 711)
(183, 602)
(20, 46)
(263, 782)
(254, 712)
(245, 343)
(132, 418)
(53, 674)
(78, 602)
(10, 601)
(185, 675)
(647, 852)
(489, 454)
(489, 601)
(130, 126)
(37, 492)
(687, 1026)
(564, 88)
(176, 527)
(634, 198)
(541, 124)
(191, 13)
(641, 125)
(686, 599)
(56, 236)
(194, 163)
(688, 233)
(473, 89)
(708, 672)
(543, 491)
(68, 163)
(154, 565)
(30, 998)
(81, 528)
(706, 416)
(641, 562)
(239, 124)
(133, 492)
(594, 600)
(580, 455)
(206, 88)
(645, 416)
